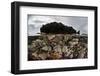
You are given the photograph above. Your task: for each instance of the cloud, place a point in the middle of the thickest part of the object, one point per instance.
(36, 21)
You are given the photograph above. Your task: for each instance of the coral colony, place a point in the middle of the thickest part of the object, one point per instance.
(57, 41)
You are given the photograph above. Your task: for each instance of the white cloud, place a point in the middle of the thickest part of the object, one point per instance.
(36, 21)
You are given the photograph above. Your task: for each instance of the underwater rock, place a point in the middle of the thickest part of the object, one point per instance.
(57, 46)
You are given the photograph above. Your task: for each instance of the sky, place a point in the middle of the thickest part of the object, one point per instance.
(36, 21)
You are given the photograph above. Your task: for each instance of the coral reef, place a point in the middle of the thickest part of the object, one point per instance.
(58, 46)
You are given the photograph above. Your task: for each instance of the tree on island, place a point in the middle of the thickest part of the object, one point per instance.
(57, 28)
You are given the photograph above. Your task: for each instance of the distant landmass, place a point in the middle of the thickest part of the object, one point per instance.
(57, 28)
